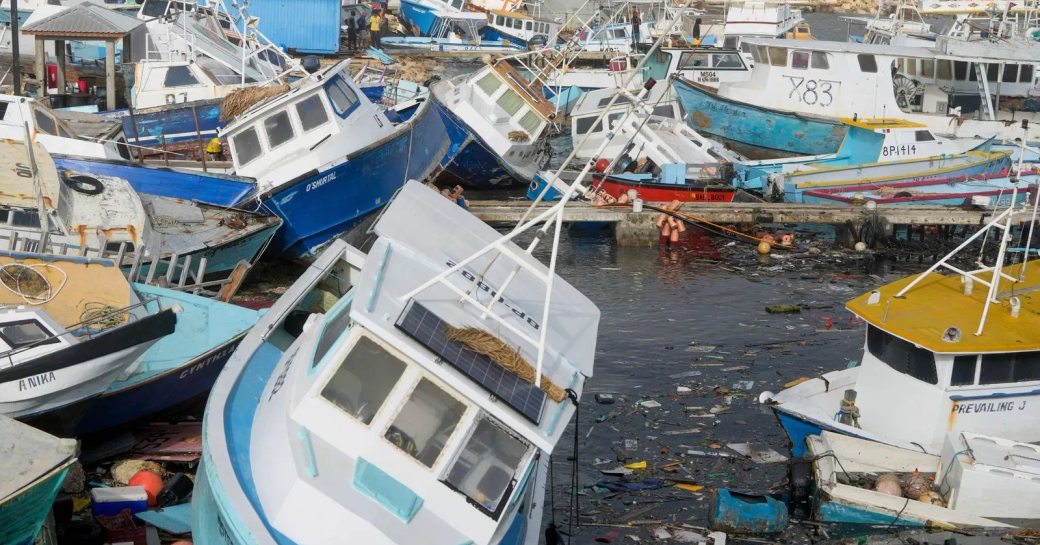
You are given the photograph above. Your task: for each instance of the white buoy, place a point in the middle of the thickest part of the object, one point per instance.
(637, 205)
(860, 247)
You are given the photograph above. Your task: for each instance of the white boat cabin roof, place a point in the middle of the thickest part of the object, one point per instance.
(411, 241)
(878, 49)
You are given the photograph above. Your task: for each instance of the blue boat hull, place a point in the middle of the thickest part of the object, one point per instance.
(798, 430)
(421, 18)
(492, 33)
(178, 184)
(321, 206)
(761, 129)
(474, 164)
(22, 515)
(175, 123)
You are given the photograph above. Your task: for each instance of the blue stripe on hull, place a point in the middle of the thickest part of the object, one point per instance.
(22, 516)
(797, 430)
(212, 189)
(837, 512)
(990, 167)
(474, 164)
(327, 204)
(491, 33)
(418, 16)
(176, 122)
(757, 127)
(176, 387)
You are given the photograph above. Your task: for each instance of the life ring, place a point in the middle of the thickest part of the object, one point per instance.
(85, 185)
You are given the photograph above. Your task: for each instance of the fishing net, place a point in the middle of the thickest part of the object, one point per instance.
(237, 102)
(503, 355)
(25, 281)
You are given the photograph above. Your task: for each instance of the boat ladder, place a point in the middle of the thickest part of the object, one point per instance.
(984, 94)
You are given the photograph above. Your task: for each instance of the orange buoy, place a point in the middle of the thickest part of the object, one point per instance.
(601, 165)
(151, 482)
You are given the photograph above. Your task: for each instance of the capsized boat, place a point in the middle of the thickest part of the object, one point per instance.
(520, 29)
(104, 214)
(71, 326)
(34, 468)
(977, 481)
(877, 153)
(180, 367)
(454, 32)
(381, 416)
(324, 156)
(498, 122)
(942, 353)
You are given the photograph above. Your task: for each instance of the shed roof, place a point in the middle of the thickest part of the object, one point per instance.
(88, 20)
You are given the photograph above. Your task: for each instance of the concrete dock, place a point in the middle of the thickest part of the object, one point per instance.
(637, 228)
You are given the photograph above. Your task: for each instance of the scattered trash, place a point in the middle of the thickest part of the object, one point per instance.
(759, 455)
(682, 432)
(701, 348)
(632, 486)
(744, 385)
(605, 399)
(683, 390)
(662, 533)
(746, 513)
(636, 465)
(783, 309)
(175, 519)
(631, 444)
(686, 374)
(689, 487)
(649, 404)
(619, 471)
(709, 453)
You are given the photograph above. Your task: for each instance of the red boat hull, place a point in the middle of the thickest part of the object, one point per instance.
(657, 192)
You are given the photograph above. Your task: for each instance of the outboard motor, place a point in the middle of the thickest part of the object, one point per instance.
(800, 479)
(311, 64)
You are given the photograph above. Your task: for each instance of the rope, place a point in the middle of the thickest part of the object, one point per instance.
(505, 356)
(29, 284)
(102, 316)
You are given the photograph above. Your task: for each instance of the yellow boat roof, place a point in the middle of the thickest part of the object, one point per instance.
(78, 285)
(878, 123)
(507, 13)
(938, 303)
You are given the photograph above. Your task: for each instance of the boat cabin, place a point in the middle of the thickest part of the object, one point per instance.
(708, 66)
(321, 119)
(883, 140)
(936, 365)
(520, 28)
(48, 129)
(27, 333)
(761, 19)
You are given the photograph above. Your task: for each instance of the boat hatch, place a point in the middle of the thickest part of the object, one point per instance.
(23, 332)
(463, 447)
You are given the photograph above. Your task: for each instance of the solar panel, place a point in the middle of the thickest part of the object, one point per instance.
(429, 330)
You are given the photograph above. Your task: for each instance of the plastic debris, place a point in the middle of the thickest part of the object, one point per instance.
(744, 385)
(783, 309)
(700, 348)
(605, 399)
(689, 487)
(636, 465)
(759, 455)
(709, 453)
(662, 533)
(619, 471)
(649, 404)
(632, 486)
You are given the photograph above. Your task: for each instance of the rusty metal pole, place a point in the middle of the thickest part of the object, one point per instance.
(16, 66)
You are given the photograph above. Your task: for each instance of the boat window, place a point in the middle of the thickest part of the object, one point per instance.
(923, 135)
(746, 48)
(516, 23)
(364, 380)
(45, 123)
(910, 66)
(730, 42)
(991, 72)
(963, 370)
(819, 61)
(1011, 367)
(426, 422)
(800, 59)
(342, 96)
(247, 146)
(335, 326)
(1025, 73)
(1010, 73)
(179, 76)
(530, 122)
(485, 469)
(3, 109)
(945, 70)
(756, 53)
(665, 111)
(311, 112)
(25, 333)
(457, 4)
(867, 63)
(727, 60)
(902, 356)
(279, 129)
(960, 71)
(694, 60)
(528, 25)
(619, 33)
(489, 83)
(928, 68)
(510, 102)
(582, 124)
(777, 56)
(25, 218)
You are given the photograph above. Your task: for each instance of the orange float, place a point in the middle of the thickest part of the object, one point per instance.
(151, 482)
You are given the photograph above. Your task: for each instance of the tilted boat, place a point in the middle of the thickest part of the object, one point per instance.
(520, 29)
(453, 32)
(498, 123)
(382, 416)
(977, 481)
(34, 468)
(943, 353)
(70, 327)
(324, 156)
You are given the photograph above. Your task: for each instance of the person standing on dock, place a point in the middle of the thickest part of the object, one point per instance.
(636, 21)
(352, 43)
(375, 28)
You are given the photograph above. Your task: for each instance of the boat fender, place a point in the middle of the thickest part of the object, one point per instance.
(85, 184)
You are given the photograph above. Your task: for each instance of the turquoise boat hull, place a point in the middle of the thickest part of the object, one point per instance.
(23, 514)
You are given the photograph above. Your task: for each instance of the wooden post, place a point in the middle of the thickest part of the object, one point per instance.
(110, 74)
(41, 66)
(59, 53)
(128, 56)
(198, 135)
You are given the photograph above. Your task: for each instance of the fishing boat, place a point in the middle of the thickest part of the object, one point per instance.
(81, 212)
(425, 16)
(520, 29)
(798, 91)
(498, 121)
(984, 190)
(884, 155)
(762, 19)
(977, 481)
(925, 373)
(392, 390)
(454, 32)
(71, 326)
(324, 156)
(34, 468)
(180, 367)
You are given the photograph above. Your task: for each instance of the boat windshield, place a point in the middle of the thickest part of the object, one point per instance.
(902, 356)
(486, 468)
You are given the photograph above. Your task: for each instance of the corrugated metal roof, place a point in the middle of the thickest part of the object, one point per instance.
(307, 26)
(86, 19)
